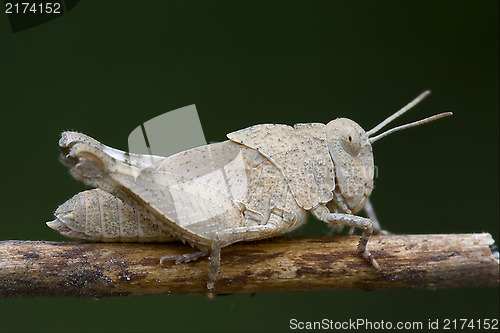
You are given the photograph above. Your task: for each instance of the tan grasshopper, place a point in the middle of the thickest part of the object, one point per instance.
(260, 183)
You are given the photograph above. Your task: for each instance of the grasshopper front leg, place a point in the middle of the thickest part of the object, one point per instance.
(322, 213)
(370, 212)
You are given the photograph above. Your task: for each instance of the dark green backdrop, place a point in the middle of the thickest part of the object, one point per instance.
(107, 66)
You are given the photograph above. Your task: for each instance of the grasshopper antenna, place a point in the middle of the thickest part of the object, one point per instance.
(416, 123)
(404, 109)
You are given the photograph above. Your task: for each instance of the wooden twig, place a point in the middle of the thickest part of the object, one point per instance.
(30, 268)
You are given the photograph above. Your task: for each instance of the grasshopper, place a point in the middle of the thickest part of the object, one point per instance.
(260, 183)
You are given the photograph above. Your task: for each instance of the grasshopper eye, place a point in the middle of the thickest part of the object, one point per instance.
(350, 139)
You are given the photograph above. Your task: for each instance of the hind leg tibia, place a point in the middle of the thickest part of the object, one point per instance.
(187, 257)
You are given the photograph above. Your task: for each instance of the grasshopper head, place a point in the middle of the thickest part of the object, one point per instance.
(351, 150)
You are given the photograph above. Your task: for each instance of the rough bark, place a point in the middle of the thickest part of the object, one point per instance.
(29, 268)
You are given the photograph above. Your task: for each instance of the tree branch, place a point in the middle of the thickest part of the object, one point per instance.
(29, 269)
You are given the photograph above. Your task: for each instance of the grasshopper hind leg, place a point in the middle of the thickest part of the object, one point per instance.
(186, 257)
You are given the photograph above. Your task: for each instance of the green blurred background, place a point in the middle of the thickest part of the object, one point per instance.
(107, 66)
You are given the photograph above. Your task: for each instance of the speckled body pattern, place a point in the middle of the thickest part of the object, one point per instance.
(96, 215)
(260, 183)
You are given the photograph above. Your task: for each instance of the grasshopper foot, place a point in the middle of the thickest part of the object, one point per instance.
(368, 257)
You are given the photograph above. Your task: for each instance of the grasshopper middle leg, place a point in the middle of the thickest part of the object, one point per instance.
(230, 236)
